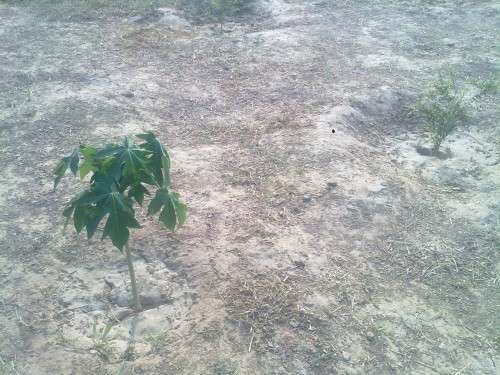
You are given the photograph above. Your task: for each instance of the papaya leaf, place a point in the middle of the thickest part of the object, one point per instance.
(87, 166)
(159, 160)
(59, 171)
(173, 211)
(126, 160)
(168, 215)
(120, 218)
(180, 209)
(74, 161)
(158, 201)
(137, 192)
(80, 217)
(70, 162)
(121, 174)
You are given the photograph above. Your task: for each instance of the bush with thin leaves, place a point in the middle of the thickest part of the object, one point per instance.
(443, 108)
(121, 175)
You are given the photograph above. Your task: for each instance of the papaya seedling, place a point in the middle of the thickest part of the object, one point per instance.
(121, 176)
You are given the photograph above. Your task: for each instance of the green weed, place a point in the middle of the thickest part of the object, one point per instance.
(158, 341)
(225, 366)
(101, 342)
(487, 86)
(7, 367)
(443, 108)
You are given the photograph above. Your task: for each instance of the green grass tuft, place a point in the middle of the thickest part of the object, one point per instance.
(443, 109)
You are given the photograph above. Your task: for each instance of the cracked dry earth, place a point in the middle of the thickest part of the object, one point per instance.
(305, 252)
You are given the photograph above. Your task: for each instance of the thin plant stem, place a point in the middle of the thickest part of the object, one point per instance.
(135, 294)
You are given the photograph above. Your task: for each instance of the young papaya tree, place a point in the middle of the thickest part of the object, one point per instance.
(121, 175)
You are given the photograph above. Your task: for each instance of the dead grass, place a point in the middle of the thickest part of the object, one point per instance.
(456, 261)
(260, 303)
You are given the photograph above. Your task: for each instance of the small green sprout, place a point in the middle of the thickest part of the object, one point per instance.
(443, 108)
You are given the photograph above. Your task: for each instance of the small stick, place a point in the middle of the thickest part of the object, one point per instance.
(426, 365)
(251, 341)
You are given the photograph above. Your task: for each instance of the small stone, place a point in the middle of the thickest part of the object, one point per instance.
(29, 114)
(64, 300)
(491, 220)
(331, 185)
(172, 20)
(449, 42)
(96, 306)
(120, 297)
(110, 281)
(412, 323)
(423, 150)
(370, 335)
(299, 264)
(123, 313)
(346, 356)
(153, 298)
(148, 18)
(128, 94)
(452, 177)
(307, 198)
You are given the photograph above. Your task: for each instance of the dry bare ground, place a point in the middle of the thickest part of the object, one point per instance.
(305, 252)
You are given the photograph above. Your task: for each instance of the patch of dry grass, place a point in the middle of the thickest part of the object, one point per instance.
(260, 303)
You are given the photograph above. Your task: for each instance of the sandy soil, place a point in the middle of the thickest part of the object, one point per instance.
(305, 252)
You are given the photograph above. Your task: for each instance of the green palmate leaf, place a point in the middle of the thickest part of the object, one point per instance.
(159, 161)
(121, 175)
(126, 161)
(74, 160)
(180, 209)
(137, 192)
(80, 217)
(173, 211)
(121, 217)
(132, 159)
(168, 215)
(85, 168)
(70, 162)
(88, 160)
(158, 201)
(59, 171)
(93, 205)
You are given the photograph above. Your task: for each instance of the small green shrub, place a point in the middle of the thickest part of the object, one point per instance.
(7, 367)
(101, 341)
(443, 108)
(225, 366)
(121, 175)
(158, 341)
(487, 86)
